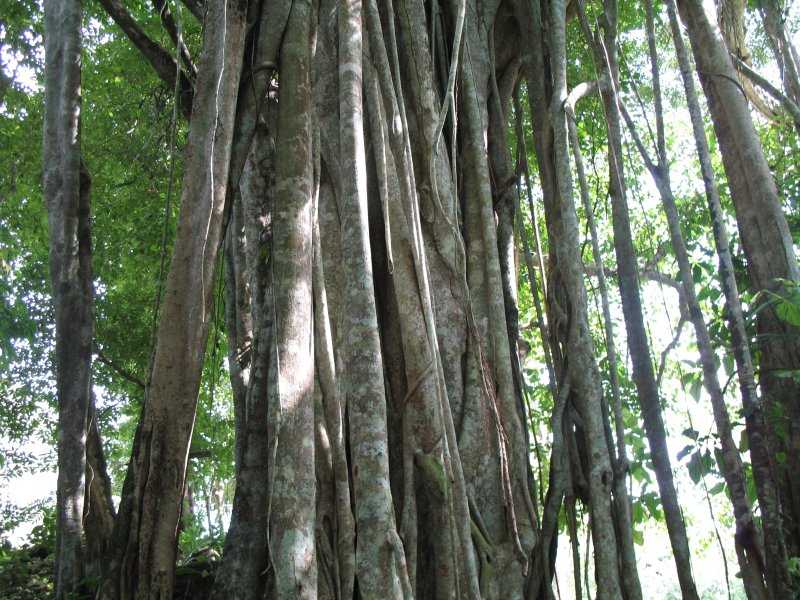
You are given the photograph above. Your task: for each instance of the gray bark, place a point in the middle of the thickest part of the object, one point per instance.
(378, 544)
(241, 574)
(749, 541)
(774, 17)
(622, 501)
(98, 507)
(580, 379)
(145, 557)
(290, 420)
(67, 193)
(761, 455)
(768, 247)
(644, 377)
(381, 444)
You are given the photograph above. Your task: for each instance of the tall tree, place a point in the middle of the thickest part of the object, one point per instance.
(444, 479)
(579, 384)
(604, 46)
(145, 536)
(754, 411)
(351, 160)
(769, 249)
(67, 192)
(749, 540)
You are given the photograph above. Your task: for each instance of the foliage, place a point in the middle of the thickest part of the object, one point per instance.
(26, 573)
(135, 165)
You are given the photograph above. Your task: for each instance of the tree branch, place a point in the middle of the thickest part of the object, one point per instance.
(121, 370)
(648, 161)
(169, 24)
(670, 347)
(752, 75)
(197, 8)
(648, 273)
(587, 88)
(163, 62)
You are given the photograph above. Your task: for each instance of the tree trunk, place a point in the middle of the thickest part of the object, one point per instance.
(579, 375)
(605, 53)
(290, 424)
(749, 540)
(783, 49)
(755, 417)
(768, 247)
(381, 434)
(748, 537)
(145, 552)
(241, 573)
(67, 193)
(98, 509)
(622, 503)
(730, 16)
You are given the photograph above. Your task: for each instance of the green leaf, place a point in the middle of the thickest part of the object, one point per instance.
(789, 312)
(637, 512)
(728, 364)
(685, 451)
(690, 433)
(640, 473)
(699, 465)
(752, 495)
(717, 489)
(793, 374)
(744, 442)
(638, 537)
(652, 501)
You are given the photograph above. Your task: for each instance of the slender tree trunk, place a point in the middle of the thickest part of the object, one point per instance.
(749, 541)
(241, 573)
(146, 551)
(523, 169)
(606, 56)
(291, 403)
(783, 49)
(238, 316)
(67, 193)
(566, 292)
(622, 501)
(98, 508)
(755, 417)
(378, 541)
(768, 247)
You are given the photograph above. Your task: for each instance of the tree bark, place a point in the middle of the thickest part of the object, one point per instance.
(755, 417)
(748, 537)
(378, 541)
(145, 561)
(768, 247)
(579, 379)
(291, 401)
(67, 193)
(621, 466)
(98, 508)
(783, 49)
(731, 20)
(241, 573)
(644, 377)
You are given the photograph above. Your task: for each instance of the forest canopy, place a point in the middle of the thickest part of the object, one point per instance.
(412, 298)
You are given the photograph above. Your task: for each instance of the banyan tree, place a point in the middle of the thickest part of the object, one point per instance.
(349, 164)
